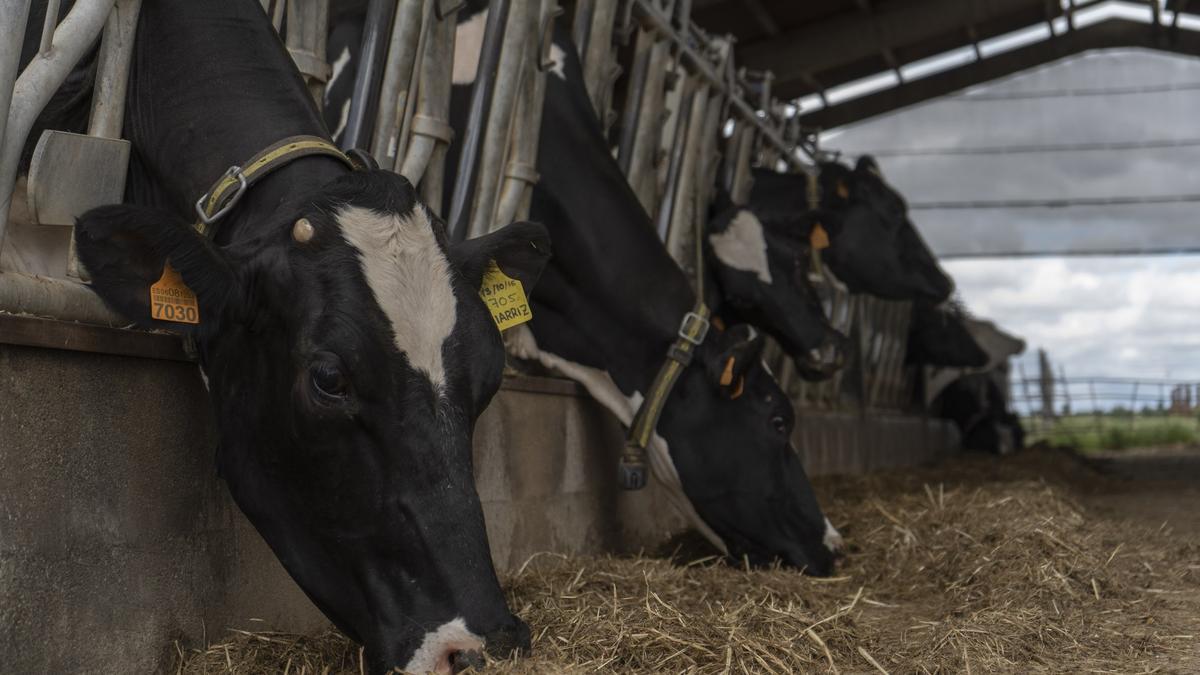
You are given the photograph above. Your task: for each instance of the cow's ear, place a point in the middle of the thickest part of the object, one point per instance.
(519, 249)
(867, 164)
(126, 249)
(738, 349)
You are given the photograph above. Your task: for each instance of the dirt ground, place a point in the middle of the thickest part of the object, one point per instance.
(1041, 562)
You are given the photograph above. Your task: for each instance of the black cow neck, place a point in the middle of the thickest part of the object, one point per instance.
(627, 296)
(210, 86)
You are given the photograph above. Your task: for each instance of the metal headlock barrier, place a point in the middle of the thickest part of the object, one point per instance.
(679, 113)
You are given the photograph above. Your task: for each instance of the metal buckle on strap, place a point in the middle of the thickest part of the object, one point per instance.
(234, 171)
(692, 319)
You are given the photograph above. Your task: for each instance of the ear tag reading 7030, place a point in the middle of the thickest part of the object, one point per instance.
(172, 300)
(504, 297)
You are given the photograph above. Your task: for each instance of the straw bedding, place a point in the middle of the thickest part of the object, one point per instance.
(980, 565)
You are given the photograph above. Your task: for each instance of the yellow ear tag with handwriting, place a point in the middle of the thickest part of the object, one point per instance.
(172, 300)
(504, 297)
(818, 237)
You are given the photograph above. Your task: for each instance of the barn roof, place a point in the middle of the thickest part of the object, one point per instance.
(851, 59)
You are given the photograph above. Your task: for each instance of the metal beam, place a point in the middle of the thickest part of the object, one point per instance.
(1107, 34)
(838, 41)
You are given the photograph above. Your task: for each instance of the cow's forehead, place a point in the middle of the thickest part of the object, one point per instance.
(410, 277)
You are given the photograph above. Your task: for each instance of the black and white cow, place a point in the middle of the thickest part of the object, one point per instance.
(607, 309)
(346, 348)
(873, 247)
(760, 266)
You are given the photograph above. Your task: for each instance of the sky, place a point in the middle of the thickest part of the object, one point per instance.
(1132, 316)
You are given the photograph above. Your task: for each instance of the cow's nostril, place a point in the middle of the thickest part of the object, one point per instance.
(462, 659)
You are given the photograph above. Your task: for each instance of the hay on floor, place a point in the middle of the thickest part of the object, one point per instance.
(979, 566)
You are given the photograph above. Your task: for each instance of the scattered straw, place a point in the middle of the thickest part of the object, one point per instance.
(997, 569)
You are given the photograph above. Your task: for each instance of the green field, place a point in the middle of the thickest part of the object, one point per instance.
(1114, 432)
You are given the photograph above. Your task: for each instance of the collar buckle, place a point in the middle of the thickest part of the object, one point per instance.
(693, 328)
(232, 173)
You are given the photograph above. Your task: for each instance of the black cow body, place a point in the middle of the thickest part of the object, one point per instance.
(978, 408)
(345, 345)
(873, 247)
(605, 314)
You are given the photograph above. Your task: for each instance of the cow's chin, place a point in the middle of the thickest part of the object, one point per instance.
(818, 366)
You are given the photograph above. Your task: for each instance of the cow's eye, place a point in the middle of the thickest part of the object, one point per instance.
(328, 379)
(779, 423)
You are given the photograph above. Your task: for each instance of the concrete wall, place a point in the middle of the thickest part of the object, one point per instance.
(117, 537)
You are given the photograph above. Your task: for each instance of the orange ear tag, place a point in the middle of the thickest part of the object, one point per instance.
(727, 374)
(843, 190)
(818, 237)
(171, 299)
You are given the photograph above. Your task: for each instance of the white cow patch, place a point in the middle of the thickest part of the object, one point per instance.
(558, 60)
(343, 119)
(468, 43)
(336, 69)
(601, 387)
(410, 277)
(431, 656)
(743, 246)
(833, 538)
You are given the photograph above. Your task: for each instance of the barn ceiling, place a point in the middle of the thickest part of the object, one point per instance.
(815, 47)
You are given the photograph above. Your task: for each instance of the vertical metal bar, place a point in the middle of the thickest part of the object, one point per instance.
(112, 70)
(521, 24)
(307, 31)
(48, 24)
(480, 107)
(399, 81)
(14, 14)
(674, 168)
(596, 53)
(365, 94)
(428, 131)
(636, 89)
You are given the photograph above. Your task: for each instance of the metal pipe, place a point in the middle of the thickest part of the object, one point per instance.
(596, 53)
(365, 94)
(674, 168)
(643, 154)
(521, 26)
(307, 32)
(684, 218)
(48, 24)
(399, 81)
(653, 19)
(480, 107)
(429, 130)
(643, 45)
(520, 173)
(112, 70)
(54, 298)
(15, 15)
(40, 79)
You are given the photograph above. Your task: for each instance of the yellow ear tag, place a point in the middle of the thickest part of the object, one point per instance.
(818, 237)
(504, 297)
(172, 300)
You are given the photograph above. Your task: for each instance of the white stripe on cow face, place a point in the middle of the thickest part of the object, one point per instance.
(468, 43)
(743, 246)
(432, 655)
(410, 277)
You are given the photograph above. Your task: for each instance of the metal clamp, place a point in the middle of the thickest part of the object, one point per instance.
(693, 319)
(234, 171)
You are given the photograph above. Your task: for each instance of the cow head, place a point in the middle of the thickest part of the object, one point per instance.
(729, 427)
(348, 354)
(874, 247)
(762, 267)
